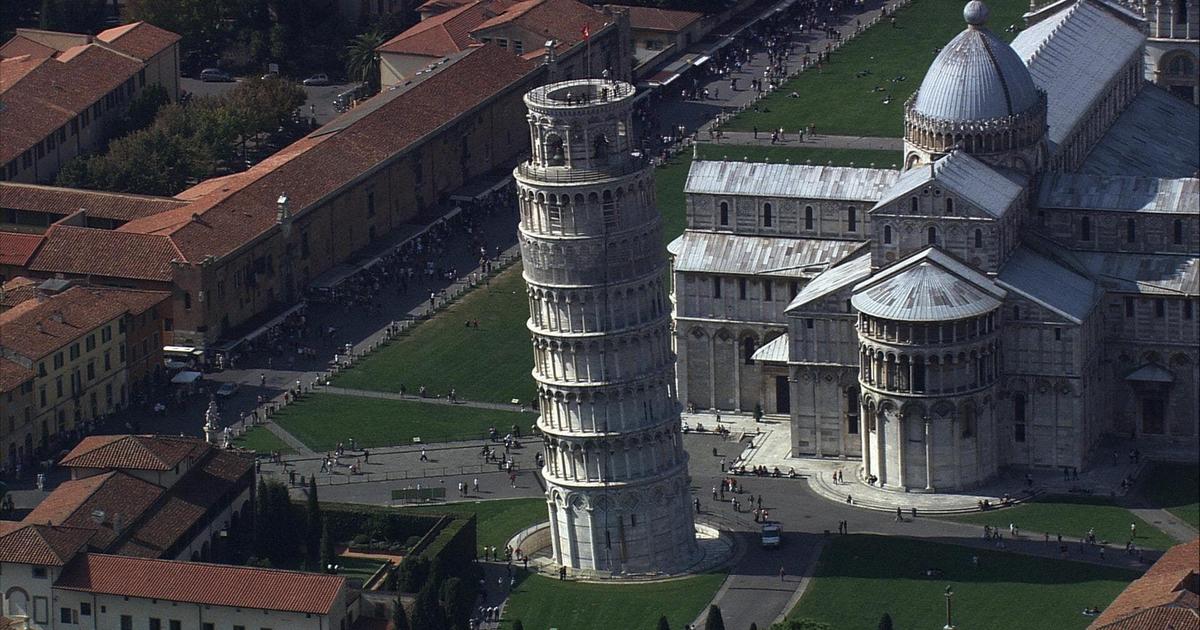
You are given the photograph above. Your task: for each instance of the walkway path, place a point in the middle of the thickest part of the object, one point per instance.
(820, 141)
(367, 393)
(292, 441)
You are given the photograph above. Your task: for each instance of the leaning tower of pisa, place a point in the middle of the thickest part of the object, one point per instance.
(591, 238)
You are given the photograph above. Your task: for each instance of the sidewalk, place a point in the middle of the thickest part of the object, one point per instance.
(819, 141)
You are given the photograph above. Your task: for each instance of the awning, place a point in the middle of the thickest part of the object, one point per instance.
(1151, 373)
(699, 61)
(188, 351)
(480, 187)
(185, 378)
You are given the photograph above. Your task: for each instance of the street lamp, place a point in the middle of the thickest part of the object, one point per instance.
(949, 608)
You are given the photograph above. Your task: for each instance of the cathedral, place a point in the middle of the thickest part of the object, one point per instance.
(1026, 284)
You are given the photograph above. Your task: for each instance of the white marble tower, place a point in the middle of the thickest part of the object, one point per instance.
(591, 239)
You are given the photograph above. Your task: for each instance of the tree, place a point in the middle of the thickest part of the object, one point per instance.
(885, 622)
(517, 625)
(144, 107)
(801, 624)
(427, 611)
(328, 554)
(753, 626)
(458, 601)
(262, 531)
(314, 527)
(362, 62)
(399, 619)
(663, 624)
(714, 621)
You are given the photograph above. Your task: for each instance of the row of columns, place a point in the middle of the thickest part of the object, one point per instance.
(625, 459)
(582, 312)
(937, 374)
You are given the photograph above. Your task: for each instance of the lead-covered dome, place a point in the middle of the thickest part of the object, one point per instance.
(976, 76)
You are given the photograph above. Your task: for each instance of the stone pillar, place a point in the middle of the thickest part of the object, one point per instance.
(928, 454)
(901, 445)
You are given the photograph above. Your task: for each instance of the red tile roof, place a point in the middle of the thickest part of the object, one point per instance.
(436, 7)
(107, 503)
(445, 33)
(110, 253)
(17, 290)
(35, 328)
(135, 452)
(20, 45)
(12, 375)
(40, 544)
(655, 19)
(198, 583)
(48, 96)
(139, 39)
(65, 201)
(1165, 597)
(17, 247)
(561, 20)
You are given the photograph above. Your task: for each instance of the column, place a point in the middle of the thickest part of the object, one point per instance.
(901, 444)
(681, 356)
(712, 371)
(738, 361)
(928, 455)
(557, 545)
(865, 435)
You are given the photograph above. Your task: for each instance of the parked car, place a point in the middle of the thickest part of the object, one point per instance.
(209, 75)
(772, 534)
(317, 79)
(228, 389)
(270, 75)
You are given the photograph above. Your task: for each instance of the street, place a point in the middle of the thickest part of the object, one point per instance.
(319, 103)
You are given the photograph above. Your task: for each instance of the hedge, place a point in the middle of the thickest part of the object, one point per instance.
(347, 520)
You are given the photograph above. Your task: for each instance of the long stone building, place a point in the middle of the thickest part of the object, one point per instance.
(616, 472)
(1028, 282)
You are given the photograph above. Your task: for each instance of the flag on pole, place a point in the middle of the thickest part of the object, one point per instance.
(586, 32)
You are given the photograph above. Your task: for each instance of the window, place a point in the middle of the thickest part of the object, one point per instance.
(949, 206)
(724, 213)
(187, 300)
(852, 410)
(1181, 13)
(808, 217)
(39, 573)
(155, 623)
(85, 609)
(91, 370)
(748, 350)
(852, 219)
(978, 239)
(1160, 307)
(767, 291)
(808, 323)
(932, 235)
(716, 287)
(766, 215)
(1130, 231)
(741, 288)
(518, 46)
(371, 204)
(1085, 229)
(1178, 232)
(913, 205)
(90, 342)
(1057, 334)
(126, 622)
(65, 615)
(106, 334)
(175, 624)
(1128, 307)
(74, 351)
(1187, 309)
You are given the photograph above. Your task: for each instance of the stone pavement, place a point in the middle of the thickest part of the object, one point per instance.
(734, 139)
(366, 393)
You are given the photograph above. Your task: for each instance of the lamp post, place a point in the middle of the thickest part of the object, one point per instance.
(949, 609)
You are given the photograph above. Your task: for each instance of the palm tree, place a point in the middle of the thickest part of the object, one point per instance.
(362, 62)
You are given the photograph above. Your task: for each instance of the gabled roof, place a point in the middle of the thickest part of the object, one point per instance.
(968, 178)
(110, 253)
(44, 545)
(445, 33)
(774, 351)
(35, 328)
(560, 20)
(16, 248)
(139, 39)
(1151, 373)
(17, 290)
(720, 253)
(200, 583)
(1072, 55)
(1158, 135)
(1049, 284)
(136, 452)
(832, 279)
(65, 201)
(1165, 597)
(656, 19)
(12, 375)
(1120, 193)
(106, 502)
(796, 181)
(927, 286)
(1160, 274)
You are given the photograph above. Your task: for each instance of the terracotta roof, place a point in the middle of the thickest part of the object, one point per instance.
(199, 583)
(654, 19)
(1165, 597)
(110, 253)
(16, 290)
(139, 39)
(12, 375)
(105, 503)
(65, 201)
(562, 20)
(20, 45)
(35, 328)
(445, 33)
(40, 544)
(48, 96)
(17, 247)
(136, 452)
(435, 7)
(185, 504)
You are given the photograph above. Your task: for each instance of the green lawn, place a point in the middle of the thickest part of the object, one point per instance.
(497, 521)
(1072, 517)
(261, 440)
(361, 568)
(1176, 488)
(839, 102)
(858, 578)
(541, 603)
(670, 178)
(323, 420)
(491, 363)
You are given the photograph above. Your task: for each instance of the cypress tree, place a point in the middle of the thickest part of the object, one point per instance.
(885, 622)
(663, 624)
(328, 555)
(399, 619)
(517, 625)
(314, 526)
(714, 621)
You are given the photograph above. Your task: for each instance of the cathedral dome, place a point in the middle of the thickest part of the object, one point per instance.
(976, 77)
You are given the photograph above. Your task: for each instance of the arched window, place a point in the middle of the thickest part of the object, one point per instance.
(1016, 312)
(949, 205)
(932, 235)
(748, 350)
(912, 204)
(852, 219)
(1178, 231)
(978, 239)
(1181, 12)
(1130, 231)
(766, 215)
(724, 213)
(808, 217)
(1085, 229)
(887, 235)
(1181, 65)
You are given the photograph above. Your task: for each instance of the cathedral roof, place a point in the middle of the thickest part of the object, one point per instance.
(991, 189)
(832, 279)
(928, 286)
(1158, 135)
(710, 252)
(1120, 193)
(774, 351)
(789, 180)
(1049, 284)
(976, 77)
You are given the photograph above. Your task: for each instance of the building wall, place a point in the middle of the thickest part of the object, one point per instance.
(1112, 231)
(27, 592)
(17, 435)
(107, 610)
(396, 68)
(789, 217)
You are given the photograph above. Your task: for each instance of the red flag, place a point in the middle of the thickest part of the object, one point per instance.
(586, 32)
